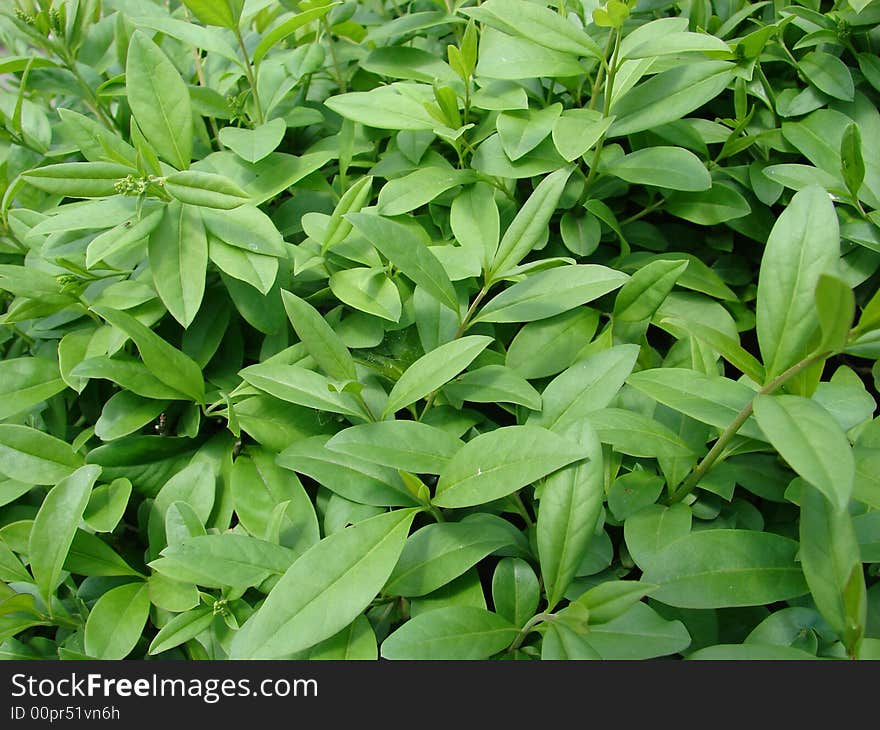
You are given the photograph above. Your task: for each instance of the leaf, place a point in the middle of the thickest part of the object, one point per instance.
(653, 528)
(166, 363)
(505, 57)
(520, 131)
(386, 107)
(497, 463)
(646, 290)
(585, 387)
(159, 101)
(55, 525)
(835, 307)
(418, 188)
(515, 590)
(252, 145)
(549, 346)
(721, 568)
(852, 162)
(215, 561)
(475, 221)
(709, 207)
(35, 457)
(673, 168)
(750, 652)
(562, 642)
(571, 500)
(548, 293)
(456, 632)
(323, 344)
(713, 400)
(803, 244)
(436, 554)
(205, 189)
(182, 628)
(106, 505)
(27, 381)
(494, 384)
(828, 74)
(608, 600)
(78, 179)
(225, 13)
(433, 370)
(669, 95)
(338, 227)
(368, 290)
(809, 439)
(530, 223)
(829, 556)
(284, 29)
(408, 252)
(406, 445)
(116, 621)
(640, 633)
(178, 253)
(633, 433)
(326, 588)
(577, 130)
(356, 642)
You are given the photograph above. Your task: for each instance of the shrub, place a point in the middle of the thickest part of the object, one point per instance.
(499, 330)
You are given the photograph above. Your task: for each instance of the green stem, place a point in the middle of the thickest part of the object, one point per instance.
(249, 72)
(93, 103)
(340, 80)
(727, 435)
(600, 74)
(521, 508)
(527, 629)
(643, 212)
(606, 108)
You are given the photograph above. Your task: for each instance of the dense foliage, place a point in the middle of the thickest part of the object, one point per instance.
(439, 330)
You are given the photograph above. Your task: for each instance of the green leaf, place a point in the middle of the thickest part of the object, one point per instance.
(852, 161)
(436, 554)
(721, 568)
(829, 555)
(159, 100)
(505, 57)
(828, 74)
(456, 632)
(259, 486)
(78, 179)
(709, 207)
(126, 412)
(433, 370)
(585, 387)
(106, 505)
(494, 384)
(26, 382)
(178, 255)
(571, 500)
(116, 621)
(182, 628)
(214, 561)
(303, 387)
(562, 642)
(750, 652)
(520, 131)
(804, 244)
(386, 107)
(326, 588)
(548, 293)
(499, 462)
(252, 145)
(418, 188)
(809, 439)
(530, 223)
(515, 590)
(549, 346)
(646, 290)
(651, 529)
(409, 253)
(475, 221)
(34, 457)
(338, 227)
(225, 13)
(407, 445)
(284, 29)
(323, 344)
(55, 525)
(673, 168)
(713, 400)
(835, 307)
(633, 433)
(205, 189)
(245, 227)
(577, 130)
(608, 600)
(640, 633)
(356, 642)
(669, 95)
(166, 363)
(368, 290)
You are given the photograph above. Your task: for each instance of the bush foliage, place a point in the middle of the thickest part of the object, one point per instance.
(430, 330)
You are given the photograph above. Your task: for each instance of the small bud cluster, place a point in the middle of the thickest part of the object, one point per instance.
(25, 17)
(131, 185)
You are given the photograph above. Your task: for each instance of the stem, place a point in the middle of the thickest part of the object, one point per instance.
(600, 74)
(521, 508)
(606, 107)
(249, 72)
(643, 212)
(527, 629)
(93, 104)
(337, 68)
(200, 74)
(435, 512)
(727, 435)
